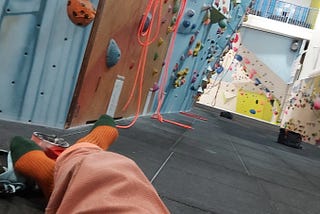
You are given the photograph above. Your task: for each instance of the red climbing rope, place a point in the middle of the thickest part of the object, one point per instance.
(152, 5)
(193, 116)
(164, 78)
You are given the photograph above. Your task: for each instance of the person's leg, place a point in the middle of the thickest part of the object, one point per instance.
(103, 133)
(30, 160)
(90, 180)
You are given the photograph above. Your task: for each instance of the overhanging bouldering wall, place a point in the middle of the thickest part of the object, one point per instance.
(114, 79)
(41, 51)
(246, 86)
(302, 110)
(205, 32)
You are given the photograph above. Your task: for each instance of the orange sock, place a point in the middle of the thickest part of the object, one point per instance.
(29, 160)
(103, 133)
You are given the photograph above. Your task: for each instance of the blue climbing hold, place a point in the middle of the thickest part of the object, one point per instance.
(238, 57)
(219, 70)
(113, 53)
(186, 23)
(252, 111)
(147, 23)
(222, 23)
(190, 13)
(257, 82)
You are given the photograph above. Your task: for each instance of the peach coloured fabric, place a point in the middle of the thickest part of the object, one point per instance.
(90, 180)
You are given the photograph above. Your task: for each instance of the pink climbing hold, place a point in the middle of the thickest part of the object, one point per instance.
(316, 103)
(155, 87)
(246, 61)
(191, 40)
(252, 73)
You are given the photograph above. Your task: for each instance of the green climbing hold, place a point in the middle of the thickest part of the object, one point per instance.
(155, 56)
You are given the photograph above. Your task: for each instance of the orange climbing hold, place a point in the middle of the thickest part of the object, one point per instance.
(81, 12)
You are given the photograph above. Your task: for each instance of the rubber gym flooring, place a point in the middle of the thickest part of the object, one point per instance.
(219, 166)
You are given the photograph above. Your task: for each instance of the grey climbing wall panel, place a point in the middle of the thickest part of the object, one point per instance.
(41, 52)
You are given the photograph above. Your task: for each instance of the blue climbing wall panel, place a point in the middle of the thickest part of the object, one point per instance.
(189, 65)
(41, 53)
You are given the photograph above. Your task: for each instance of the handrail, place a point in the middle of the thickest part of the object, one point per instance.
(285, 12)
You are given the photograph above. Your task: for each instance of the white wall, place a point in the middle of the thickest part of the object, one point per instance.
(276, 27)
(311, 65)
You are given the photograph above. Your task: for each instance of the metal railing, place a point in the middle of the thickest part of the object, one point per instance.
(285, 12)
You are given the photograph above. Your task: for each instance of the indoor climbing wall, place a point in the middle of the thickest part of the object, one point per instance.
(41, 51)
(247, 86)
(302, 110)
(123, 60)
(204, 33)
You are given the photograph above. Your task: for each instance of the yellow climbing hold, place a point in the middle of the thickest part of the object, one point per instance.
(197, 49)
(183, 72)
(155, 71)
(160, 42)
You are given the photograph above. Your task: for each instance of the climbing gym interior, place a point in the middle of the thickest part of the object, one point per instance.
(64, 63)
(216, 101)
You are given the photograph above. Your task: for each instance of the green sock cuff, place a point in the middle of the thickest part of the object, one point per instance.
(104, 120)
(20, 146)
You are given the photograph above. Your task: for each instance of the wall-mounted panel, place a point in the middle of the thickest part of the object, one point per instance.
(198, 50)
(41, 52)
(107, 89)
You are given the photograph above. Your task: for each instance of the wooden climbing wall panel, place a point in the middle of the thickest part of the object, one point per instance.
(101, 88)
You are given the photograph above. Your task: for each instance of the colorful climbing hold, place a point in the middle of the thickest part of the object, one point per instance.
(246, 61)
(193, 80)
(154, 71)
(146, 23)
(113, 53)
(316, 103)
(81, 12)
(200, 90)
(257, 82)
(190, 52)
(155, 87)
(252, 111)
(176, 67)
(131, 65)
(197, 49)
(155, 56)
(186, 23)
(219, 70)
(183, 72)
(207, 18)
(222, 23)
(160, 42)
(238, 57)
(192, 40)
(190, 13)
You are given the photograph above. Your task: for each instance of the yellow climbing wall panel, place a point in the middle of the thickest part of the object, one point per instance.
(315, 4)
(254, 105)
